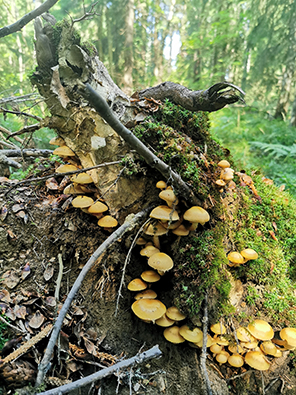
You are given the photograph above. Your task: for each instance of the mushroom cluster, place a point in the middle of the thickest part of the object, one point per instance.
(164, 218)
(226, 174)
(236, 259)
(254, 345)
(80, 185)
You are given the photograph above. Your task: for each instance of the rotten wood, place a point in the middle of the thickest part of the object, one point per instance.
(212, 99)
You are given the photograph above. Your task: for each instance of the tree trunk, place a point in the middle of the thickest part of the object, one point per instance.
(128, 48)
(284, 96)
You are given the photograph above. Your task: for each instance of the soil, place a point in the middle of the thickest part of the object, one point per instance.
(34, 241)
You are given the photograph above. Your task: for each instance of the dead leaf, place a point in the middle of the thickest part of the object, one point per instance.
(10, 314)
(48, 272)
(271, 267)
(4, 212)
(50, 301)
(17, 207)
(282, 187)
(37, 320)
(90, 347)
(5, 296)
(52, 184)
(11, 279)
(57, 88)
(274, 226)
(26, 270)
(20, 312)
(11, 234)
(272, 234)
(267, 181)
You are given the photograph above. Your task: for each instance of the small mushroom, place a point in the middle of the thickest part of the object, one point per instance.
(150, 276)
(160, 262)
(161, 185)
(148, 251)
(222, 357)
(63, 151)
(172, 335)
(224, 163)
(235, 258)
(65, 168)
(137, 285)
(169, 196)
(81, 178)
(97, 208)
(289, 335)
(193, 336)
(108, 223)
(261, 330)
(164, 213)
(175, 314)
(257, 360)
(146, 294)
(148, 309)
(249, 254)
(236, 360)
(82, 202)
(196, 215)
(164, 321)
(218, 329)
(57, 141)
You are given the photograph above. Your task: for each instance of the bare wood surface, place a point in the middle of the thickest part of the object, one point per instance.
(212, 99)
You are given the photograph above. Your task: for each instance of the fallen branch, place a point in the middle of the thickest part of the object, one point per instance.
(26, 152)
(211, 99)
(9, 162)
(153, 352)
(3, 130)
(69, 173)
(27, 129)
(130, 222)
(203, 357)
(18, 113)
(101, 106)
(15, 27)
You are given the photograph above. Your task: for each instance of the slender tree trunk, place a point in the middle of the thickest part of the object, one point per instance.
(283, 101)
(128, 48)
(293, 113)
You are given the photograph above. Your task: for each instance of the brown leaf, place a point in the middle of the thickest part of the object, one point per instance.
(17, 207)
(11, 234)
(90, 347)
(4, 212)
(272, 234)
(37, 320)
(274, 226)
(52, 184)
(5, 296)
(10, 314)
(57, 88)
(267, 181)
(26, 270)
(271, 267)
(48, 273)
(282, 188)
(20, 311)
(11, 279)
(50, 301)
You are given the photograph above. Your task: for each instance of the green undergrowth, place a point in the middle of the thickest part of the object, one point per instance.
(268, 226)
(201, 263)
(256, 140)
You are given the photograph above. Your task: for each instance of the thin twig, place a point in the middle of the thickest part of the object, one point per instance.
(127, 259)
(18, 113)
(68, 173)
(130, 222)
(238, 376)
(203, 357)
(59, 279)
(11, 326)
(27, 129)
(153, 352)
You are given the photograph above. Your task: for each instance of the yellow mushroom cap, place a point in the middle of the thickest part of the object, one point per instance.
(222, 357)
(236, 360)
(210, 342)
(175, 314)
(244, 335)
(149, 251)
(81, 178)
(268, 347)
(235, 349)
(172, 335)
(161, 185)
(221, 340)
(181, 231)
(249, 254)
(216, 348)
(194, 335)
(278, 353)
(169, 196)
(150, 276)
(289, 335)
(257, 360)
(73, 189)
(224, 163)
(97, 208)
(220, 183)
(164, 321)
(63, 151)
(66, 168)
(82, 201)
(155, 230)
(235, 257)
(227, 174)
(197, 214)
(146, 294)
(57, 141)
(250, 345)
(136, 285)
(107, 222)
(164, 213)
(216, 328)
(161, 261)
(261, 330)
(148, 309)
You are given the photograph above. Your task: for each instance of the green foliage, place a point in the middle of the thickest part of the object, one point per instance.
(258, 142)
(3, 334)
(33, 169)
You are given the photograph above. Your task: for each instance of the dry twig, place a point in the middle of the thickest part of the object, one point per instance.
(130, 222)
